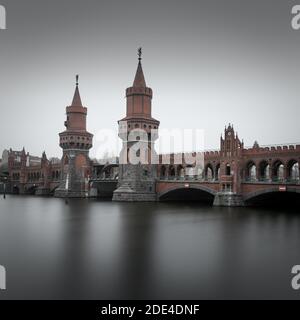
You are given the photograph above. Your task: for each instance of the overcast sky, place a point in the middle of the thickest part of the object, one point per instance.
(208, 62)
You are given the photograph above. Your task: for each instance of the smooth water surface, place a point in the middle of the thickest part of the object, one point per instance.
(91, 249)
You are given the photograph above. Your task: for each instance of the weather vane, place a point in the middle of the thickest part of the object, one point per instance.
(140, 53)
(77, 79)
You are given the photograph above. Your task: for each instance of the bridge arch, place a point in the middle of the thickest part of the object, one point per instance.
(192, 192)
(272, 196)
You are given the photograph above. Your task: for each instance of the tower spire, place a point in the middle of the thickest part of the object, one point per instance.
(77, 99)
(139, 79)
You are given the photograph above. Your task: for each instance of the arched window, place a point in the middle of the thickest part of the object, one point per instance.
(209, 173)
(264, 171)
(217, 173)
(162, 172)
(180, 172)
(228, 169)
(293, 171)
(278, 171)
(172, 172)
(251, 171)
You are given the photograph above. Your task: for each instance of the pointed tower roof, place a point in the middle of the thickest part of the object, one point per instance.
(76, 99)
(139, 79)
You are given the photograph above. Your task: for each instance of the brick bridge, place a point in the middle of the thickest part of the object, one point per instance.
(232, 176)
(252, 173)
(255, 174)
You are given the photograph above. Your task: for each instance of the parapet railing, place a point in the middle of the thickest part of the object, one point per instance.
(275, 147)
(275, 180)
(187, 178)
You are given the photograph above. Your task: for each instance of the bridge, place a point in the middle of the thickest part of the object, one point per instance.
(252, 193)
(234, 175)
(256, 174)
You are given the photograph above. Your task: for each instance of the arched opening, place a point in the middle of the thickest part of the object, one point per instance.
(209, 172)
(31, 190)
(264, 171)
(250, 171)
(180, 172)
(189, 172)
(52, 191)
(15, 190)
(278, 171)
(228, 170)
(217, 172)
(171, 172)
(162, 172)
(293, 171)
(188, 194)
(274, 199)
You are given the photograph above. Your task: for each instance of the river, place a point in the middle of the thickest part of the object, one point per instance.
(91, 249)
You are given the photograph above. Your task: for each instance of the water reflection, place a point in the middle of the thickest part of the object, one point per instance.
(101, 250)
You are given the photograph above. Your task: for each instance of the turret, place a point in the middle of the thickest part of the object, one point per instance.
(75, 142)
(138, 130)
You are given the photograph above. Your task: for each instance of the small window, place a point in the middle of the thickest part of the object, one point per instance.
(228, 170)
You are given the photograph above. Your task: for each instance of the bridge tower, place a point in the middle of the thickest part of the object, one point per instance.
(230, 179)
(75, 142)
(138, 130)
